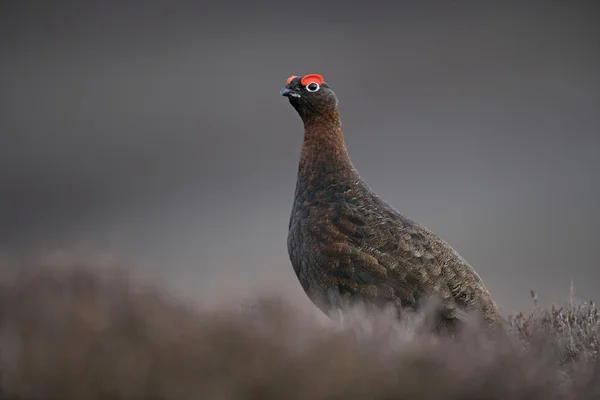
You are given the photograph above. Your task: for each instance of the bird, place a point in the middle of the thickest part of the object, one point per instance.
(348, 246)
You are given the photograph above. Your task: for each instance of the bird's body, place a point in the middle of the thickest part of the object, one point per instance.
(346, 244)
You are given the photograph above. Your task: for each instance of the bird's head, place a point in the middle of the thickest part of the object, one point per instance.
(310, 96)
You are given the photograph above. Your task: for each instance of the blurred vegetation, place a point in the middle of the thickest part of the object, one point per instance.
(96, 333)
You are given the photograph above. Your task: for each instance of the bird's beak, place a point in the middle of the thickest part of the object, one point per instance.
(289, 93)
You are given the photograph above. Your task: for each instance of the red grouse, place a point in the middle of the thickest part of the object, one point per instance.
(347, 245)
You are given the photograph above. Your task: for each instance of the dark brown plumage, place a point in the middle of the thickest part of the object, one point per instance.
(346, 244)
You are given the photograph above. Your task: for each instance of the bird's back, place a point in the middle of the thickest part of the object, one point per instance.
(346, 245)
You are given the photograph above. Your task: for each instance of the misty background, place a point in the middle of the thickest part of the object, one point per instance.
(155, 132)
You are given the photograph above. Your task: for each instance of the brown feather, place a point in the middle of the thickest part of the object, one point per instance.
(345, 243)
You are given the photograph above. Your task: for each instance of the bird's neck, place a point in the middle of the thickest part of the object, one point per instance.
(324, 160)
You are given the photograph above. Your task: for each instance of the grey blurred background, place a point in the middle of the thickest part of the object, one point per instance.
(155, 132)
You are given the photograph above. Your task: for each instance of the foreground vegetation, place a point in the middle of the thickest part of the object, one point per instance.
(78, 333)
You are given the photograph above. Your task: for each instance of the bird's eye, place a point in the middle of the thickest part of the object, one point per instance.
(313, 87)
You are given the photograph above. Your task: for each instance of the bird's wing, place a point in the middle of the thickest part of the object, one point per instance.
(392, 258)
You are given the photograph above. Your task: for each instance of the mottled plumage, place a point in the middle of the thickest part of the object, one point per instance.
(347, 244)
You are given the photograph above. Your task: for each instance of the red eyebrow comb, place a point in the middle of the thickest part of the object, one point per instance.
(311, 78)
(291, 78)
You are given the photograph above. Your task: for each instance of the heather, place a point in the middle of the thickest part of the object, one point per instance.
(82, 332)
